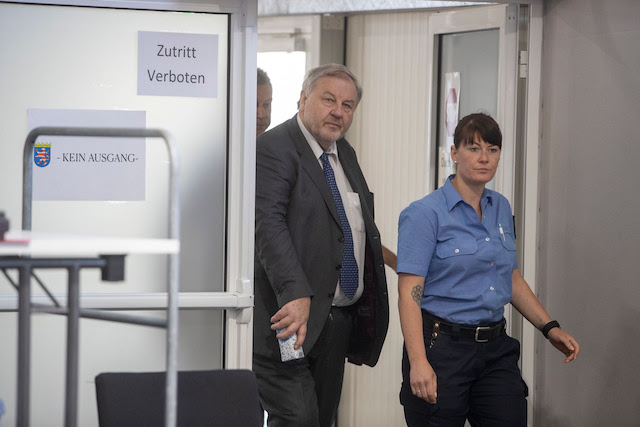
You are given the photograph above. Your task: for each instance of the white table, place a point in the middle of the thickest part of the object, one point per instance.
(70, 245)
(26, 251)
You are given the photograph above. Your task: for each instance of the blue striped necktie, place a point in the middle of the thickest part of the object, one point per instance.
(349, 270)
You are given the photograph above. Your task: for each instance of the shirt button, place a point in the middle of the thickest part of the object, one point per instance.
(492, 264)
(490, 312)
(492, 288)
(457, 250)
(487, 239)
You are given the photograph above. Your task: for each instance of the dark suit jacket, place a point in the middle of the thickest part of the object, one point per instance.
(299, 244)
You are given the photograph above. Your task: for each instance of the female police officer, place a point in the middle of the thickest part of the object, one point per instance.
(457, 270)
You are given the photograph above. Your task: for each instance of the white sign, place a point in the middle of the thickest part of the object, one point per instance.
(177, 64)
(86, 168)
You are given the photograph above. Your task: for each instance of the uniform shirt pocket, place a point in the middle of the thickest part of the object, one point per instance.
(456, 247)
(509, 242)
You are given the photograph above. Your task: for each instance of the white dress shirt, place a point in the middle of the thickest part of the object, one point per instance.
(351, 203)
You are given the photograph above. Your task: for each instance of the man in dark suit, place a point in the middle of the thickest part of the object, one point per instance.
(319, 269)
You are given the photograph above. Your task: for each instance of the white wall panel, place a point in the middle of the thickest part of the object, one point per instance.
(388, 52)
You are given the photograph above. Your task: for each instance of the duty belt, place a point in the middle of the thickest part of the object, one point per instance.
(479, 333)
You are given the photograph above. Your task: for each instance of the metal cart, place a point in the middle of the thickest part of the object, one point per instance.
(110, 261)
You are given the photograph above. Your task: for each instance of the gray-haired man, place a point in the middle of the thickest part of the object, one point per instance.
(319, 270)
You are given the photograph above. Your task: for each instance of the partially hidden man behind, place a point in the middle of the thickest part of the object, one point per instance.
(263, 104)
(319, 269)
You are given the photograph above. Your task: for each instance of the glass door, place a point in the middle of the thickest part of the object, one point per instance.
(489, 58)
(467, 83)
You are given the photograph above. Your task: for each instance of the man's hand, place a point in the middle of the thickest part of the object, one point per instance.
(292, 318)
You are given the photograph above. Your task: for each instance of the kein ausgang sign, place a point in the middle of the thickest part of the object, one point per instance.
(88, 168)
(177, 64)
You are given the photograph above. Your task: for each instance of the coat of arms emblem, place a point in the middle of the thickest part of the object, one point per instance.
(42, 154)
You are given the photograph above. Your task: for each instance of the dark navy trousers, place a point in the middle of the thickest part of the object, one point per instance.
(480, 382)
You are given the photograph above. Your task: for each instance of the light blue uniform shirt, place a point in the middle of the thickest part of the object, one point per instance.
(467, 262)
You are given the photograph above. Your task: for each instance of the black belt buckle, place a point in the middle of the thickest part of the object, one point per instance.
(482, 328)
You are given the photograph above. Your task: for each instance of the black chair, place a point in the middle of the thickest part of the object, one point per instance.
(224, 398)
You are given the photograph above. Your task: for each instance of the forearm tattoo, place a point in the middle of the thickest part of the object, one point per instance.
(416, 294)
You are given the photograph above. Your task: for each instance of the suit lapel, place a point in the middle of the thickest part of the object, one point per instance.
(312, 167)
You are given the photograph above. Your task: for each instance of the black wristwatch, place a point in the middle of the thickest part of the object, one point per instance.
(549, 326)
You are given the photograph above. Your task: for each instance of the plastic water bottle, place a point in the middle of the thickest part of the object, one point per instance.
(287, 352)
